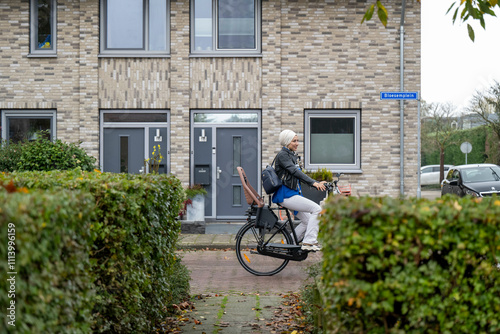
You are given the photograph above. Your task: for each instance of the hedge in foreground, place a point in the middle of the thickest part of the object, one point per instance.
(411, 266)
(133, 243)
(45, 245)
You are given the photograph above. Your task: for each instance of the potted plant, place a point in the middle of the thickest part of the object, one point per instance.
(312, 193)
(194, 204)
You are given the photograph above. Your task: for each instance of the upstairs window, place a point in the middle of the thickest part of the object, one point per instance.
(43, 27)
(333, 140)
(135, 27)
(225, 27)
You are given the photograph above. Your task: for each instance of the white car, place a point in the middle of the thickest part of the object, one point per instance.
(430, 174)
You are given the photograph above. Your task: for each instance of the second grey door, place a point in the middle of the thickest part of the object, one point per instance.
(235, 147)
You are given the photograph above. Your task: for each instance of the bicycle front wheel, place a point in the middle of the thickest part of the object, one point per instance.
(251, 237)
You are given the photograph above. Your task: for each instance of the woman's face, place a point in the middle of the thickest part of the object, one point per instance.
(294, 144)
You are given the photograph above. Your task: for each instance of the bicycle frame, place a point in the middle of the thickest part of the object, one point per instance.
(282, 251)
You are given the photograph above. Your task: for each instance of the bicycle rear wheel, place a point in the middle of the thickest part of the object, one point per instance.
(247, 241)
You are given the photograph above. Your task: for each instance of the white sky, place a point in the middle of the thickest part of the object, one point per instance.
(454, 67)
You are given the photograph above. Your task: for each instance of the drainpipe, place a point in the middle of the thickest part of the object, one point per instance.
(401, 102)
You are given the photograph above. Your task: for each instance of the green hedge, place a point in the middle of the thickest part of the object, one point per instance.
(52, 283)
(43, 154)
(454, 156)
(133, 246)
(411, 265)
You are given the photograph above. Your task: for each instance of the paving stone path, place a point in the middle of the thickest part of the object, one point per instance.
(228, 299)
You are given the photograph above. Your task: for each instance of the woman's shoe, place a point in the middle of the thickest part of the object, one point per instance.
(312, 248)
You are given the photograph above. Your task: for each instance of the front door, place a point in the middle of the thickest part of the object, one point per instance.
(123, 150)
(235, 147)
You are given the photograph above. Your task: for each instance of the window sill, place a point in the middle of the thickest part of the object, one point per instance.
(133, 55)
(42, 55)
(226, 55)
(336, 169)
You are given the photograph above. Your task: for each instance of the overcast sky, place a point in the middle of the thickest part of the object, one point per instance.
(454, 67)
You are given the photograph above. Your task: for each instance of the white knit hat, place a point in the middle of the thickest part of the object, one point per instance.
(286, 137)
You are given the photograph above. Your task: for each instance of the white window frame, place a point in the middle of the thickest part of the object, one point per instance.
(34, 50)
(256, 52)
(134, 52)
(354, 167)
(50, 114)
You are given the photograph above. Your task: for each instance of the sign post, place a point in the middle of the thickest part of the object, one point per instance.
(466, 148)
(407, 96)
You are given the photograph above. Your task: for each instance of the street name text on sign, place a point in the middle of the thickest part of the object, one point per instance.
(399, 95)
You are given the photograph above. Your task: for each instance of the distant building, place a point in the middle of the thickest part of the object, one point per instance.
(470, 121)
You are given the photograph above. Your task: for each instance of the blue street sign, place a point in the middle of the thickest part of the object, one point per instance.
(399, 95)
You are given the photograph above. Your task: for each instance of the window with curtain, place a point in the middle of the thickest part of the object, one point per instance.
(43, 27)
(332, 139)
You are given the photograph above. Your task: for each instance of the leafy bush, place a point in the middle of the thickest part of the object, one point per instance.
(133, 246)
(411, 266)
(9, 157)
(49, 231)
(311, 299)
(43, 154)
(321, 174)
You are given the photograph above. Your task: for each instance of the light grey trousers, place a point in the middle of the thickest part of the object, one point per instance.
(308, 215)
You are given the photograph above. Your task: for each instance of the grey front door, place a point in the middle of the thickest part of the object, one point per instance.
(235, 147)
(123, 150)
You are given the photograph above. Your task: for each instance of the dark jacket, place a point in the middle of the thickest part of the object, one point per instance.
(288, 170)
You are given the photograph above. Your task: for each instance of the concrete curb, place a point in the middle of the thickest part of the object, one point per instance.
(204, 241)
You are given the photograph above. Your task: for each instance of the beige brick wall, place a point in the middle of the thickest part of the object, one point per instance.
(315, 55)
(66, 83)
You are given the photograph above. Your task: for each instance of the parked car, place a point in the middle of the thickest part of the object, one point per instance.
(477, 180)
(430, 174)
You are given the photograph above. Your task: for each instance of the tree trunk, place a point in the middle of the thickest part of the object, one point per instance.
(441, 164)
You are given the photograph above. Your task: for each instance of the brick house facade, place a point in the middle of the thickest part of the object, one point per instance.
(312, 56)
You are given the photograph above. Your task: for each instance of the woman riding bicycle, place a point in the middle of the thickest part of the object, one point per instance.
(289, 194)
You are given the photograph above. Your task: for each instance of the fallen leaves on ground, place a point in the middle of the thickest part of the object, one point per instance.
(288, 317)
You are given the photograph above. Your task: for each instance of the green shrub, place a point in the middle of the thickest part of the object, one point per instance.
(9, 157)
(49, 233)
(411, 266)
(43, 154)
(133, 247)
(311, 299)
(321, 174)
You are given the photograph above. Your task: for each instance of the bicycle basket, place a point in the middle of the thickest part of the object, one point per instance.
(265, 218)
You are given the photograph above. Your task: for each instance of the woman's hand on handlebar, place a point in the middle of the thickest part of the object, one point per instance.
(320, 185)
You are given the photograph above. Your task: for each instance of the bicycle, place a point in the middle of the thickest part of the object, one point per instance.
(266, 244)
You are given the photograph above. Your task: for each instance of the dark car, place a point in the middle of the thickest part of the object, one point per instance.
(477, 180)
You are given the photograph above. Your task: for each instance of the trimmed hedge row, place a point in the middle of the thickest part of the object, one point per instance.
(51, 288)
(133, 240)
(411, 265)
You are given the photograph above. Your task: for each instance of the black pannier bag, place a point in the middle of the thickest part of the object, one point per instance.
(265, 218)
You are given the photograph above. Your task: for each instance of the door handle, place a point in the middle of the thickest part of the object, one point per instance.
(218, 172)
